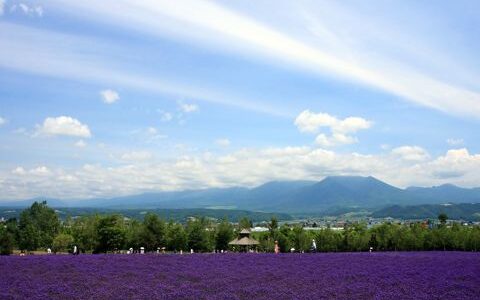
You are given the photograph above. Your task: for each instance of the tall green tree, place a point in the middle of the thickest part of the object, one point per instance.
(198, 238)
(176, 237)
(273, 224)
(443, 218)
(133, 235)
(300, 239)
(281, 236)
(356, 237)
(223, 235)
(38, 225)
(7, 241)
(63, 242)
(153, 232)
(111, 233)
(328, 240)
(84, 232)
(245, 223)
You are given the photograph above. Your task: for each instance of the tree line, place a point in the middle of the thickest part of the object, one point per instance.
(39, 228)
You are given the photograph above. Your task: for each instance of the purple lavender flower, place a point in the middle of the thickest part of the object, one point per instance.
(406, 275)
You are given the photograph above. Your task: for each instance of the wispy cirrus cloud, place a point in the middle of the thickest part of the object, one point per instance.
(29, 10)
(2, 7)
(59, 55)
(212, 25)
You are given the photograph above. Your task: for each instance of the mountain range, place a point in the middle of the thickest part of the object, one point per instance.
(284, 196)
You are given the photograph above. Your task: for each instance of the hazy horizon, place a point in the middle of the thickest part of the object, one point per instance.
(78, 200)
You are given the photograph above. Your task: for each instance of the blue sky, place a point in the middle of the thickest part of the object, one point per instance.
(107, 98)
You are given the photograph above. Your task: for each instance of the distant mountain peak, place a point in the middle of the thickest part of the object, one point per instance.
(448, 185)
(355, 181)
(334, 177)
(351, 178)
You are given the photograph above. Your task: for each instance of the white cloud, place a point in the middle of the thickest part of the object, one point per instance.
(201, 170)
(223, 142)
(40, 171)
(19, 171)
(2, 121)
(26, 9)
(63, 125)
(311, 122)
(286, 151)
(412, 153)
(454, 142)
(152, 134)
(80, 144)
(227, 159)
(39, 11)
(137, 156)
(308, 121)
(165, 116)
(2, 7)
(67, 178)
(456, 165)
(385, 146)
(188, 108)
(152, 130)
(351, 125)
(336, 139)
(109, 96)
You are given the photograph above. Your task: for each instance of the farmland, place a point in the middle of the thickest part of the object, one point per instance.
(377, 275)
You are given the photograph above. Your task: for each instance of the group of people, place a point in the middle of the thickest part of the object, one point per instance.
(313, 247)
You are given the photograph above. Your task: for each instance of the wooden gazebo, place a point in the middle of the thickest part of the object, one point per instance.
(244, 241)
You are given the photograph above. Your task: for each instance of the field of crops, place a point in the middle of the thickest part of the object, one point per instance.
(420, 275)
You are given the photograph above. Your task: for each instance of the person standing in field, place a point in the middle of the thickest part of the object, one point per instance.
(314, 246)
(277, 248)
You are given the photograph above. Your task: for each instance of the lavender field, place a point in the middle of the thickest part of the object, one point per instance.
(421, 275)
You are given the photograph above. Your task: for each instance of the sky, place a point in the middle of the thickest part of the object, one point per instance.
(118, 97)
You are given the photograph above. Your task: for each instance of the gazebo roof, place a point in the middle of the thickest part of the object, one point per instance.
(245, 231)
(244, 241)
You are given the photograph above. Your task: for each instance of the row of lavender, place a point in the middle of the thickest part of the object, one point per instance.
(387, 275)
